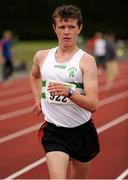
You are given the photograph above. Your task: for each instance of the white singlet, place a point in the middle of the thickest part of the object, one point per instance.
(60, 110)
(100, 47)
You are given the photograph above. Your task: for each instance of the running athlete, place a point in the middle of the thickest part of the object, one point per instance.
(64, 83)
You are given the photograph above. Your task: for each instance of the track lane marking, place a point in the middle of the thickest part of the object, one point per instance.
(16, 113)
(123, 175)
(18, 99)
(35, 127)
(20, 133)
(102, 102)
(16, 90)
(29, 96)
(27, 168)
(42, 160)
(114, 98)
(112, 123)
(115, 85)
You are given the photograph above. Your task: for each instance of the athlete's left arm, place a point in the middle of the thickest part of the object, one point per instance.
(89, 100)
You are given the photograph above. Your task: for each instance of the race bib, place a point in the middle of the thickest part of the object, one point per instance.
(57, 99)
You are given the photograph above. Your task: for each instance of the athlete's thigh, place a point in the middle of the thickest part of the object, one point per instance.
(79, 170)
(57, 162)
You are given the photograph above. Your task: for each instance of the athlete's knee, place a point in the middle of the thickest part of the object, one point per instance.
(80, 170)
(57, 174)
(79, 175)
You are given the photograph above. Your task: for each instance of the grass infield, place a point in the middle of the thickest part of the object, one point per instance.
(25, 50)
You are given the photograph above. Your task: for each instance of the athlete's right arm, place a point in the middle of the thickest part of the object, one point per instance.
(35, 82)
(35, 78)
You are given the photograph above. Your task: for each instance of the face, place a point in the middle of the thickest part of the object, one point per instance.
(67, 31)
(8, 35)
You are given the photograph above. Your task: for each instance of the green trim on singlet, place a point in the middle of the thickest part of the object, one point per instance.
(43, 95)
(78, 85)
(43, 83)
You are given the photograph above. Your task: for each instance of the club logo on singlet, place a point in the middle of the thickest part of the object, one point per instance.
(72, 71)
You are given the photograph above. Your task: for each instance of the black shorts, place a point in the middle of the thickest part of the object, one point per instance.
(101, 61)
(80, 143)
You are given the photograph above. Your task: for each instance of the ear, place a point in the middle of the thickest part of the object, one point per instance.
(81, 27)
(54, 28)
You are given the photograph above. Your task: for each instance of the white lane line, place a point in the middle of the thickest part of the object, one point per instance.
(16, 113)
(27, 168)
(20, 133)
(123, 175)
(115, 85)
(29, 96)
(38, 162)
(18, 99)
(113, 98)
(112, 123)
(14, 90)
(29, 109)
(32, 128)
(37, 126)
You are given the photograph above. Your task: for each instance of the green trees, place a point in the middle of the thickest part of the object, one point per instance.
(31, 19)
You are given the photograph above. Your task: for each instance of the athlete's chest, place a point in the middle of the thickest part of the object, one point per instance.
(64, 72)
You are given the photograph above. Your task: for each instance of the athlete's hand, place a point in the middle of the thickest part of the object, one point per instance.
(57, 89)
(37, 109)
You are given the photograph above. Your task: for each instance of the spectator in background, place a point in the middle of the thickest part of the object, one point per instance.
(112, 69)
(90, 45)
(6, 55)
(103, 48)
(100, 50)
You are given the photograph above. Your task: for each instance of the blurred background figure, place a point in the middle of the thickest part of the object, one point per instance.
(9, 65)
(112, 68)
(103, 48)
(6, 54)
(100, 50)
(96, 46)
(90, 45)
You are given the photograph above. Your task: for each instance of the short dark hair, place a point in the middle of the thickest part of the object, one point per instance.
(66, 12)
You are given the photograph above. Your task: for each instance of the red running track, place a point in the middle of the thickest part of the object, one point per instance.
(19, 145)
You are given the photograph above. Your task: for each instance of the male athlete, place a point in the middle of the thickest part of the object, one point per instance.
(64, 83)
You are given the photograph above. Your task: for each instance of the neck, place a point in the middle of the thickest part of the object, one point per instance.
(64, 54)
(66, 50)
